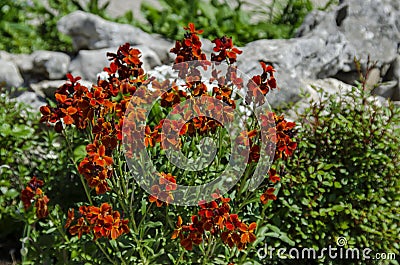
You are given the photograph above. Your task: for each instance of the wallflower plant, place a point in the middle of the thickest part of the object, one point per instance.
(129, 224)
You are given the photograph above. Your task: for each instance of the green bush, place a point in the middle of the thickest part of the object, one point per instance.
(344, 180)
(26, 26)
(218, 18)
(28, 149)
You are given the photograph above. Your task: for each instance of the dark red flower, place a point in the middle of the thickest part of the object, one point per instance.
(268, 195)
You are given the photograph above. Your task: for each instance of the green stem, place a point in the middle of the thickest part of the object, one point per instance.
(105, 253)
(120, 196)
(209, 247)
(59, 229)
(76, 166)
(63, 235)
(259, 224)
(178, 261)
(145, 213)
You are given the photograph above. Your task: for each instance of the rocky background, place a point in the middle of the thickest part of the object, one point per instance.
(321, 54)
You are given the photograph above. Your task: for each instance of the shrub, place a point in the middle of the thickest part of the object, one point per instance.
(26, 26)
(344, 179)
(27, 149)
(217, 18)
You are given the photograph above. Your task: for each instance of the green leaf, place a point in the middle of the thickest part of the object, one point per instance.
(337, 185)
(80, 152)
(338, 208)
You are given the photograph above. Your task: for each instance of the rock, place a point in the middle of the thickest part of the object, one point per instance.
(89, 63)
(9, 75)
(326, 45)
(373, 78)
(368, 28)
(24, 63)
(31, 99)
(40, 65)
(293, 60)
(52, 65)
(47, 88)
(89, 31)
(331, 86)
(396, 76)
(386, 89)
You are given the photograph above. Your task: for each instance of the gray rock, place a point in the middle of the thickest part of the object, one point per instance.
(294, 60)
(52, 65)
(89, 63)
(24, 62)
(9, 74)
(369, 28)
(46, 88)
(89, 31)
(330, 86)
(326, 45)
(386, 89)
(31, 99)
(396, 76)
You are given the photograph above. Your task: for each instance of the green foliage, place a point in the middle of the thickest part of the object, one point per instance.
(26, 26)
(218, 18)
(27, 149)
(344, 180)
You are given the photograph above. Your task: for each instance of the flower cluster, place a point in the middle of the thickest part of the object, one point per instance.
(115, 108)
(102, 221)
(224, 46)
(99, 110)
(285, 145)
(190, 48)
(32, 193)
(102, 107)
(214, 219)
(161, 192)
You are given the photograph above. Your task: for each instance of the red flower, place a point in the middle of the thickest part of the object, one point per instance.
(102, 221)
(162, 192)
(41, 207)
(33, 192)
(247, 233)
(273, 177)
(268, 195)
(100, 157)
(226, 50)
(191, 27)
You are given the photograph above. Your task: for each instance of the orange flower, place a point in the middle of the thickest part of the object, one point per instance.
(102, 221)
(100, 157)
(68, 114)
(178, 231)
(41, 207)
(160, 196)
(268, 195)
(273, 176)
(247, 233)
(80, 228)
(33, 192)
(191, 27)
(70, 218)
(285, 132)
